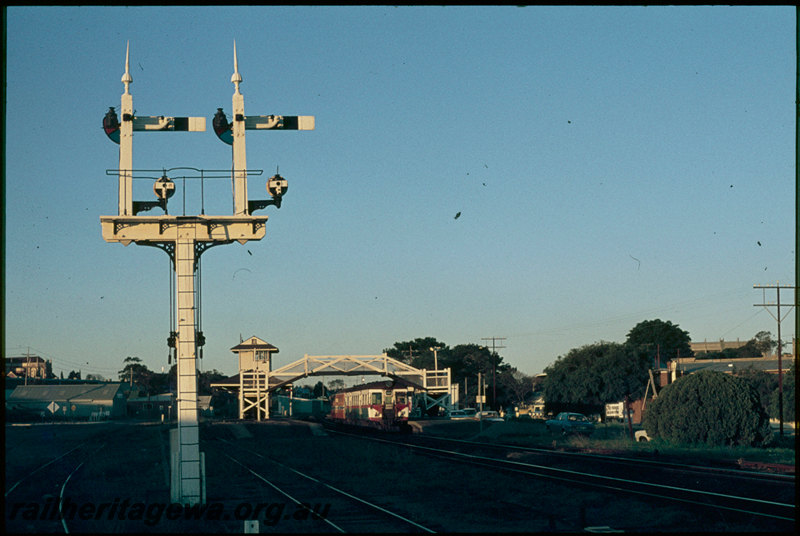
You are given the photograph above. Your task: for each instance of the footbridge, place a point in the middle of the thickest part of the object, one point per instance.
(435, 387)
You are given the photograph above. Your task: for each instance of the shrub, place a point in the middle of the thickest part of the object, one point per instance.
(711, 408)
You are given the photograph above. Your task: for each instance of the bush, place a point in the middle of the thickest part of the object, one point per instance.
(710, 408)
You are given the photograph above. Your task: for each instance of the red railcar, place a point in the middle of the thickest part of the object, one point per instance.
(383, 404)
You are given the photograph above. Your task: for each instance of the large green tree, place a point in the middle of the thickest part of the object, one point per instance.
(135, 372)
(206, 378)
(660, 339)
(764, 383)
(763, 343)
(465, 361)
(419, 353)
(710, 408)
(589, 377)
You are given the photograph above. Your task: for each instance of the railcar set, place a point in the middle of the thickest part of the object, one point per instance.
(385, 405)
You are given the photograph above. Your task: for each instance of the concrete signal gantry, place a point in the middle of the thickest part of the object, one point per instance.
(184, 238)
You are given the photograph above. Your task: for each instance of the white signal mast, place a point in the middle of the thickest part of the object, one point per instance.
(184, 238)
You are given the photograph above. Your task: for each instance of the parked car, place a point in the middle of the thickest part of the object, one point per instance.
(641, 435)
(491, 416)
(570, 423)
(461, 414)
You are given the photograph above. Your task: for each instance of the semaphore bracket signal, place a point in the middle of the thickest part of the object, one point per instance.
(184, 238)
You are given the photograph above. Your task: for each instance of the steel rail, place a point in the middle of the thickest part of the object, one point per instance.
(42, 467)
(623, 460)
(284, 493)
(332, 488)
(525, 468)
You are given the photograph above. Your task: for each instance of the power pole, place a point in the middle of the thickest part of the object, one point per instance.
(411, 353)
(27, 364)
(480, 396)
(494, 366)
(778, 318)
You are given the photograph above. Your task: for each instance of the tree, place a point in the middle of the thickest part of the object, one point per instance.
(589, 377)
(73, 375)
(319, 390)
(516, 385)
(336, 385)
(710, 408)
(465, 361)
(657, 337)
(95, 377)
(205, 379)
(164, 382)
(418, 353)
(765, 385)
(136, 372)
(763, 343)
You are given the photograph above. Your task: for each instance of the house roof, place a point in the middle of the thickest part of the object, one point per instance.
(254, 343)
(163, 397)
(73, 393)
(24, 360)
(731, 365)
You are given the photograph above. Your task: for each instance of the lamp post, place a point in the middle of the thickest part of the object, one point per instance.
(435, 349)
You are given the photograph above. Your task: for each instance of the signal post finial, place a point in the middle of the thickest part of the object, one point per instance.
(236, 78)
(127, 79)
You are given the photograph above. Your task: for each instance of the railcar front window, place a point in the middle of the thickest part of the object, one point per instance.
(377, 398)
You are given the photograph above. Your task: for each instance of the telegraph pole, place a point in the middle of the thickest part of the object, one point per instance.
(27, 364)
(777, 316)
(494, 366)
(411, 353)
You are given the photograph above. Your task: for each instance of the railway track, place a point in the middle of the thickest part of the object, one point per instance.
(308, 504)
(296, 477)
(735, 491)
(37, 497)
(69, 487)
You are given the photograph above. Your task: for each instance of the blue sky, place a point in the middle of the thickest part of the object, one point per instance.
(609, 164)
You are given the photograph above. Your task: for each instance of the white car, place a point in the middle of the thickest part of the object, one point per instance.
(491, 416)
(641, 435)
(461, 414)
